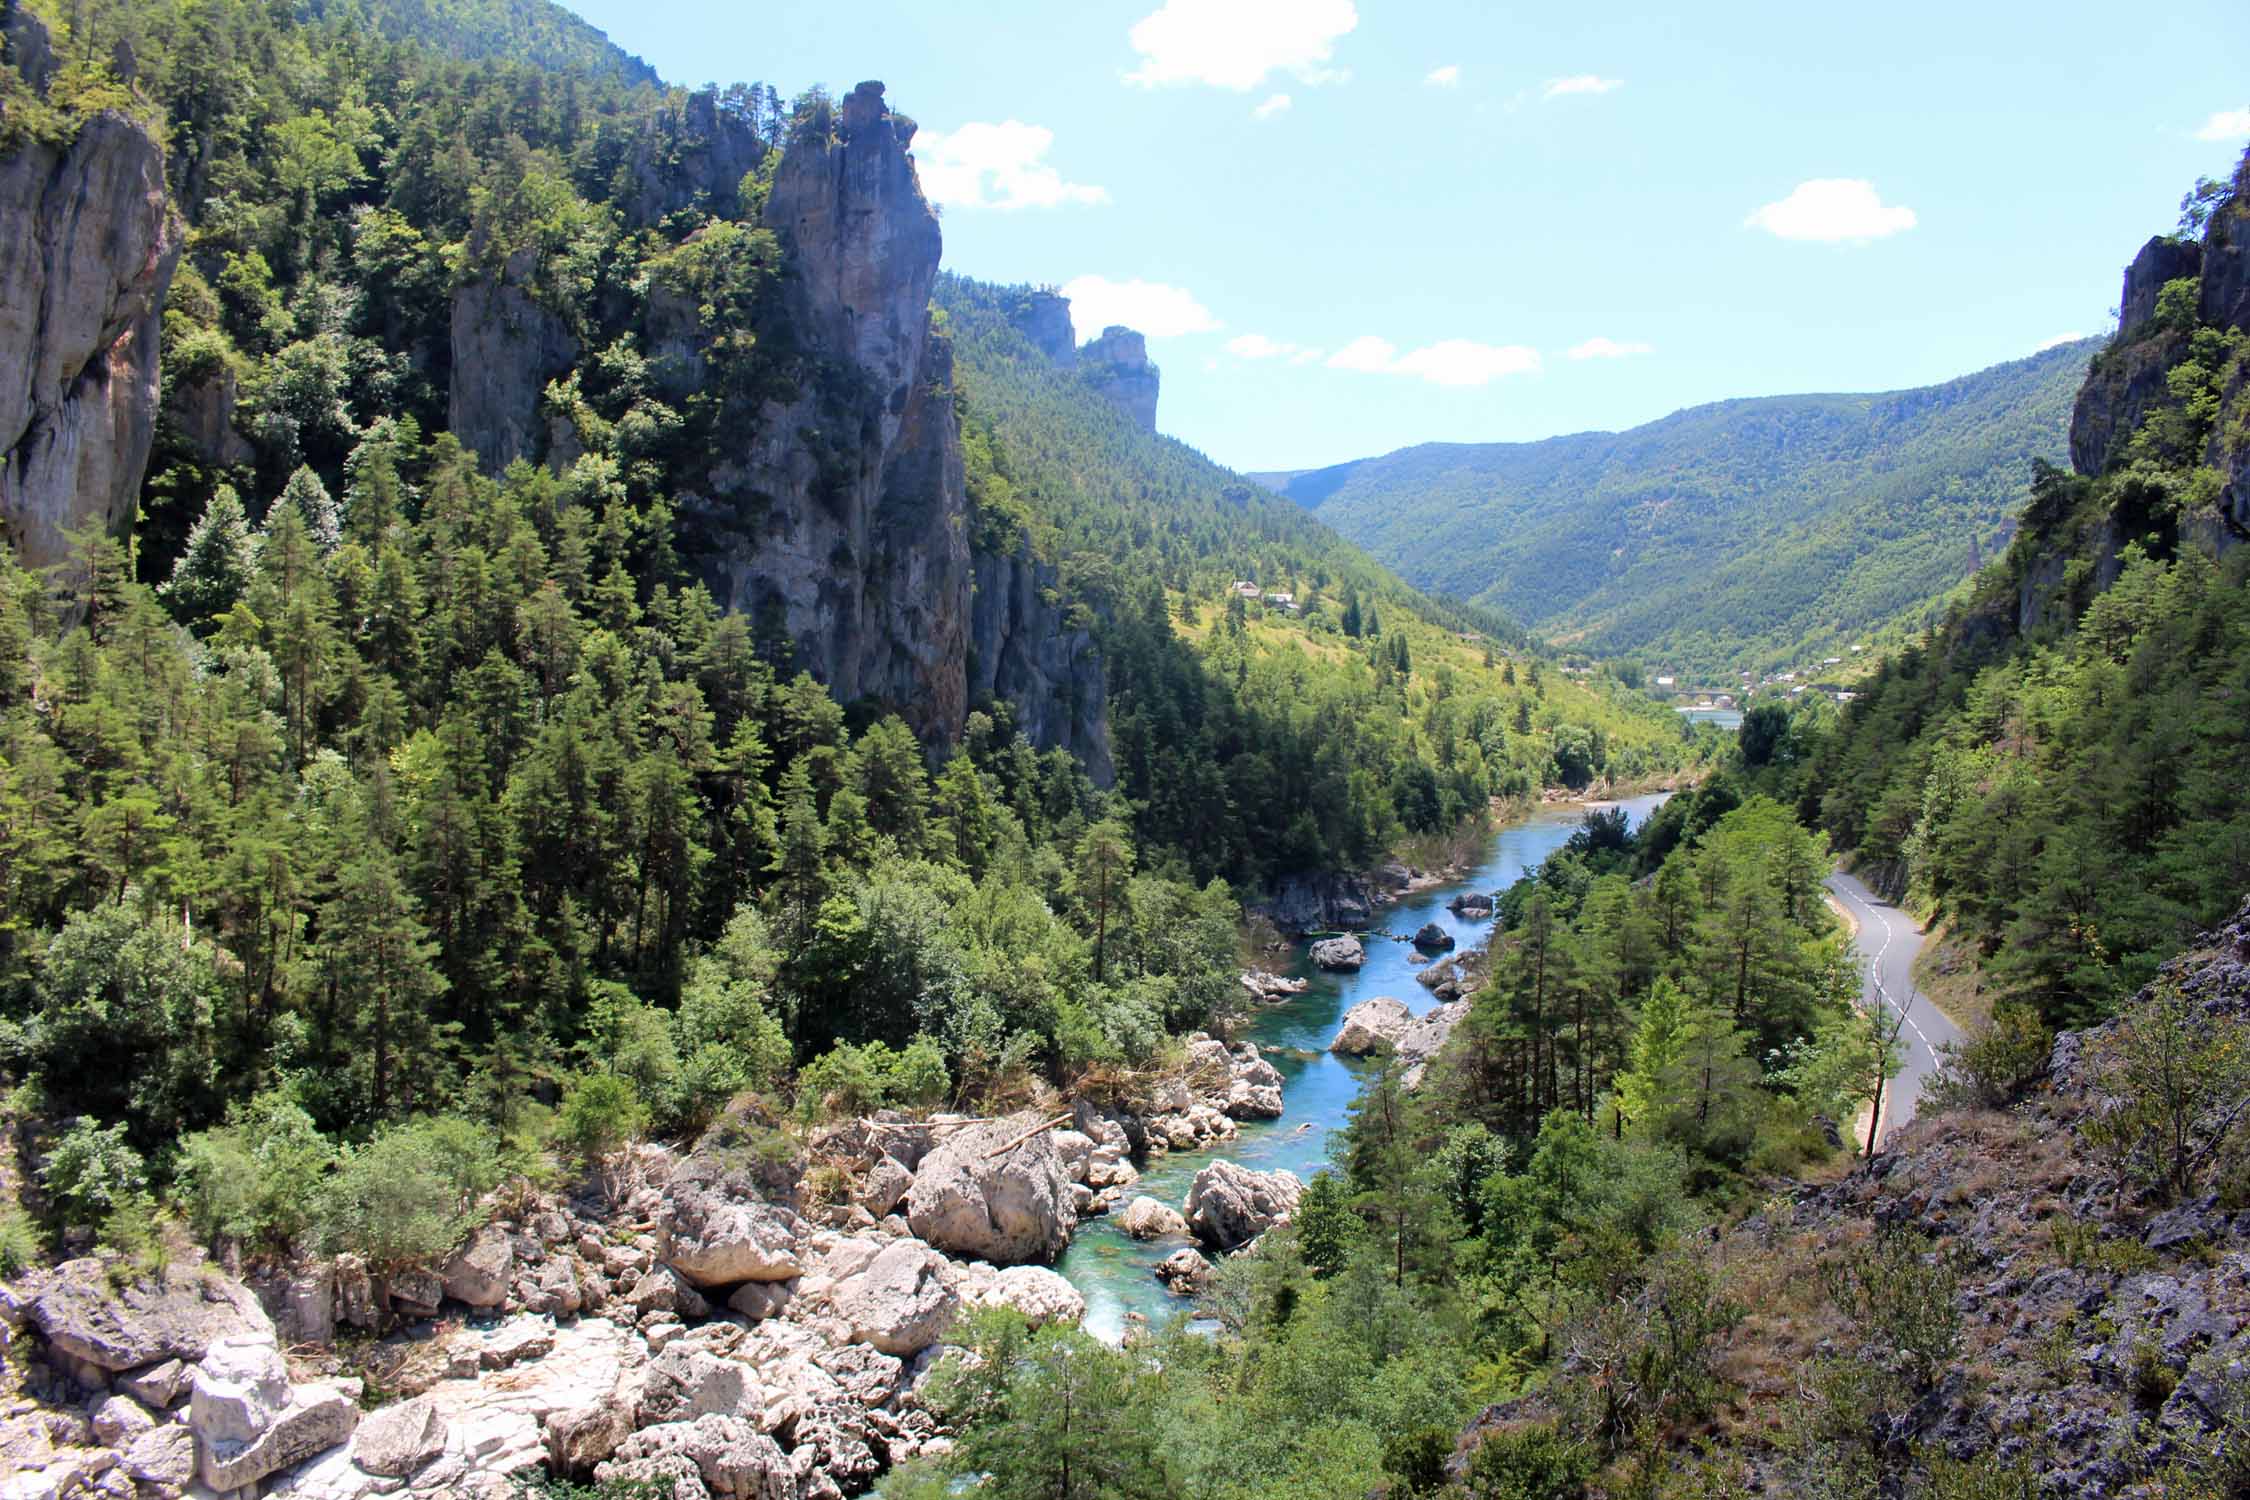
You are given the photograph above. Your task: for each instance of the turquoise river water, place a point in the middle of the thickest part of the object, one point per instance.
(1115, 1273)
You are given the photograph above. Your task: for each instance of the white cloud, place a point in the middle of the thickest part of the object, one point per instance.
(1258, 346)
(1271, 107)
(1599, 348)
(1449, 362)
(1149, 307)
(1580, 83)
(1443, 78)
(2058, 341)
(983, 165)
(1234, 44)
(1368, 353)
(2225, 125)
(1829, 209)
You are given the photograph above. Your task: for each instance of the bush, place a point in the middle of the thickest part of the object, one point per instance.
(1535, 1463)
(258, 1177)
(407, 1196)
(92, 1173)
(1996, 1064)
(600, 1112)
(20, 1247)
(853, 1080)
(2176, 1078)
(1898, 1291)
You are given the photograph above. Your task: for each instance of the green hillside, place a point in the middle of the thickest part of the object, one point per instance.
(1368, 710)
(1740, 535)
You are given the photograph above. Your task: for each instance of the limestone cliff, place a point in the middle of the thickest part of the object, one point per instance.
(2133, 383)
(1117, 365)
(85, 259)
(1043, 317)
(844, 521)
(1027, 653)
(506, 348)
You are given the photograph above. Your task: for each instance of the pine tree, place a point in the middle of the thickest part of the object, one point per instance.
(217, 566)
(309, 498)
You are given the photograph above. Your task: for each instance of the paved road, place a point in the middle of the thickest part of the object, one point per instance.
(1888, 944)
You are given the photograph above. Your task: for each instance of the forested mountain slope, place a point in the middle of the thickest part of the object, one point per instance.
(1225, 706)
(2057, 771)
(1742, 535)
(562, 555)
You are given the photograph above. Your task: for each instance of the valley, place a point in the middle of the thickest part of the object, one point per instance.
(659, 843)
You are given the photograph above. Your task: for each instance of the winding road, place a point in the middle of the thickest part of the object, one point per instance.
(1888, 942)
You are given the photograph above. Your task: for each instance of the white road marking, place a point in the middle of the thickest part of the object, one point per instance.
(1875, 966)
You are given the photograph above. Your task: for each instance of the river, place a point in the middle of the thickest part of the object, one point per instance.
(1115, 1273)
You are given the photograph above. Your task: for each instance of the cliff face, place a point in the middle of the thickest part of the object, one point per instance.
(1044, 318)
(506, 347)
(2132, 382)
(85, 259)
(845, 520)
(1025, 652)
(1117, 365)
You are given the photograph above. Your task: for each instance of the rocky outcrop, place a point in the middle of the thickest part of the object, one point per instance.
(2123, 385)
(1041, 1295)
(1339, 955)
(1184, 1272)
(692, 153)
(2163, 259)
(507, 346)
(716, 1231)
(1471, 906)
(1117, 366)
(1317, 902)
(2225, 297)
(1370, 1026)
(1427, 1037)
(996, 1191)
(249, 1421)
(1043, 317)
(81, 1313)
(1433, 939)
(85, 261)
(1026, 651)
(1272, 989)
(1229, 1205)
(843, 523)
(200, 413)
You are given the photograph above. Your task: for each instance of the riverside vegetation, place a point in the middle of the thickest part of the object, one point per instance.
(452, 787)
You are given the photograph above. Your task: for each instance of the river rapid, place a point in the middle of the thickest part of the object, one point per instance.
(1115, 1273)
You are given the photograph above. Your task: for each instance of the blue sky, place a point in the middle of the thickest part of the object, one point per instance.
(1352, 225)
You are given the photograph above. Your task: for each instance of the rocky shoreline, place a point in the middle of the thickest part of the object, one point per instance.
(719, 1324)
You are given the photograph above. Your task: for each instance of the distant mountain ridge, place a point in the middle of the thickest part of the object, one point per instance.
(1740, 534)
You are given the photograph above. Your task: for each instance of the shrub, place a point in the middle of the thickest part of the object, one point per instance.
(1996, 1064)
(853, 1080)
(1899, 1290)
(407, 1196)
(2179, 1082)
(92, 1173)
(258, 1177)
(600, 1112)
(1534, 1463)
(20, 1247)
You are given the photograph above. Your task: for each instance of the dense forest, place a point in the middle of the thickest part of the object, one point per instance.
(2055, 773)
(1744, 536)
(368, 780)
